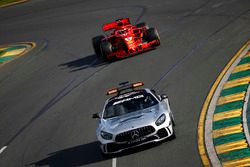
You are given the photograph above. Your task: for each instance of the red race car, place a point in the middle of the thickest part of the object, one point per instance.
(125, 40)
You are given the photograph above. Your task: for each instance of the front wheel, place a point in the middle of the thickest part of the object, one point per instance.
(173, 136)
(106, 48)
(96, 42)
(172, 118)
(107, 156)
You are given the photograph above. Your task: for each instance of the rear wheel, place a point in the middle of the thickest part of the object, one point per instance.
(152, 34)
(106, 49)
(96, 42)
(142, 24)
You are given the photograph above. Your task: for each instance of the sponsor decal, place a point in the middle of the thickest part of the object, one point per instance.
(128, 99)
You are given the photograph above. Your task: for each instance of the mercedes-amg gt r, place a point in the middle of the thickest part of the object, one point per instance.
(133, 117)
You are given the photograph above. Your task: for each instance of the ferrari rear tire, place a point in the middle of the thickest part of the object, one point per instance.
(152, 34)
(106, 49)
(96, 42)
(142, 24)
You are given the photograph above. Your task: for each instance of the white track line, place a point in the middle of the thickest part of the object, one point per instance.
(244, 116)
(2, 149)
(114, 162)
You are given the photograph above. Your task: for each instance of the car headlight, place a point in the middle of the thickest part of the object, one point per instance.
(160, 120)
(106, 135)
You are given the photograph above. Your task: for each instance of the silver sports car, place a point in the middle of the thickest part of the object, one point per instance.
(133, 117)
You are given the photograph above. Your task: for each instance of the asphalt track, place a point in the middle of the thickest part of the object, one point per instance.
(48, 96)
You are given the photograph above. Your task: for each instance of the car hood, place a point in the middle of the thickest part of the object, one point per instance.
(132, 120)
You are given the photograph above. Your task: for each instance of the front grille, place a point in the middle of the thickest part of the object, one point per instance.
(134, 134)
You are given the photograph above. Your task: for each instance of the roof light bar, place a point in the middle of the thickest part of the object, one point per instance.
(137, 84)
(124, 86)
(112, 91)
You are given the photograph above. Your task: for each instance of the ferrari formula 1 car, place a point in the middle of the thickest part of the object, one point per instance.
(125, 40)
(133, 117)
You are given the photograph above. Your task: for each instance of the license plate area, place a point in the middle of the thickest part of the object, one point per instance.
(137, 140)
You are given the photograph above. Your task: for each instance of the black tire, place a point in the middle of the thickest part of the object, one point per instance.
(96, 42)
(142, 24)
(152, 34)
(172, 118)
(173, 136)
(107, 156)
(106, 49)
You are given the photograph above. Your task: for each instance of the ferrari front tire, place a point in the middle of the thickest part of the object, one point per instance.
(106, 48)
(96, 42)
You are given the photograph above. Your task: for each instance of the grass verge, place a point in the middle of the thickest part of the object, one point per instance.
(6, 2)
(2, 52)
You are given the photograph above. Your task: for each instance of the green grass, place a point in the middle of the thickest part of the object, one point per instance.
(2, 52)
(5, 2)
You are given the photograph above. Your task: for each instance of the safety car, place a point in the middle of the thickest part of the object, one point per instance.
(133, 117)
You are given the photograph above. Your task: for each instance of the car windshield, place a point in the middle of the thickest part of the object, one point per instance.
(128, 103)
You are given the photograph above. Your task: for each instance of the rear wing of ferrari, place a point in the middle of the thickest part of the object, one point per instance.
(124, 86)
(116, 25)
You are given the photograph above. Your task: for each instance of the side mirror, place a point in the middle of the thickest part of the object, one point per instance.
(164, 96)
(96, 115)
(153, 91)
